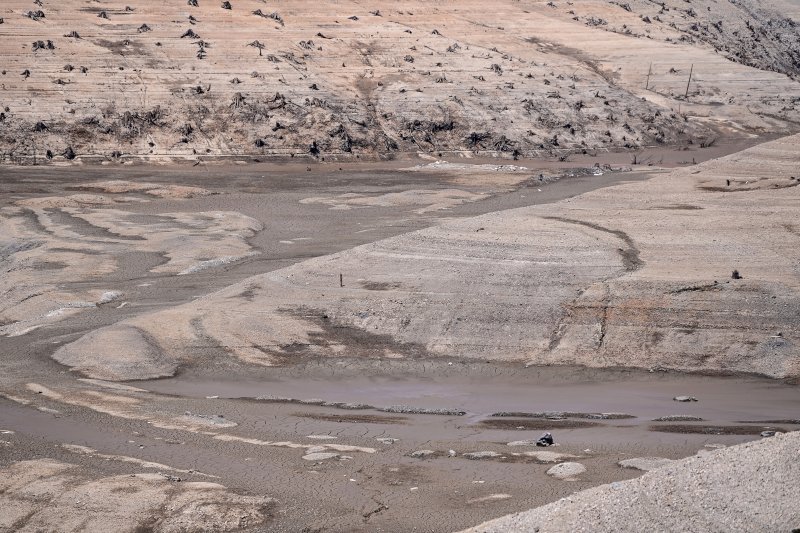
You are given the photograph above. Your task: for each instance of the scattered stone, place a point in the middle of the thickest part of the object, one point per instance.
(482, 455)
(407, 409)
(561, 415)
(490, 497)
(685, 399)
(549, 457)
(387, 440)
(566, 470)
(451, 453)
(421, 454)
(678, 418)
(320, 456)
(209, 420)
(769, 433)
(348, 405)
(645, 463)
(315, 449)
(545, 440)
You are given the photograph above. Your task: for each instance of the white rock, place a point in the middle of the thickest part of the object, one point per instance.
(482, 455)
(422, 453)
(645, 463)
(566, 470)
(320, 456)
(315, 449)
(549, 457)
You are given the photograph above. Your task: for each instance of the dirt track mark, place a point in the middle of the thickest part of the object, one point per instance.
(712, 188)
(353, 418)
(630, 255)
(528, 423)
(630, 260)
(714, 430)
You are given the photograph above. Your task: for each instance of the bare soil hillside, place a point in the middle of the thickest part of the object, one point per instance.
(111, 81)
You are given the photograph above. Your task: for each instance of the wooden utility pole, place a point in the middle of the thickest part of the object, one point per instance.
(686, 95)
(649, 72)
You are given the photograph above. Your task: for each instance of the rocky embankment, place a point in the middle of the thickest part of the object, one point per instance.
(749, 487)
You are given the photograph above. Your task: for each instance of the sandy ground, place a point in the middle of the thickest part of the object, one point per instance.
(41, 493)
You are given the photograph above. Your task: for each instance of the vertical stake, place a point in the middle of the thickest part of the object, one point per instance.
(649, 72)
(341, 280)
(688, 82)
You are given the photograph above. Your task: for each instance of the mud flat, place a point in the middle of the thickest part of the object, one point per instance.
(635, 275)
(411, 436)
(412, 389)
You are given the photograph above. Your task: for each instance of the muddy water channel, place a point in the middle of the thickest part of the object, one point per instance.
(508, 396)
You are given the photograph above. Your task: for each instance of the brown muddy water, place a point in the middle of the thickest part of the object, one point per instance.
(478, 392)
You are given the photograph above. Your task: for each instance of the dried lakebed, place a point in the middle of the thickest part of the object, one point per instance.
(394, 433)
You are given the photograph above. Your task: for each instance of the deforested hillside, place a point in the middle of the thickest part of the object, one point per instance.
(109, 80)
(757, 34)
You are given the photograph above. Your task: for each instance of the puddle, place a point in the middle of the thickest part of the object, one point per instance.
(481, 390)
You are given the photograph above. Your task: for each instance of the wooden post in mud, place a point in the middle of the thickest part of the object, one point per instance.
(649, 72)
(341, 280)
(686, 95)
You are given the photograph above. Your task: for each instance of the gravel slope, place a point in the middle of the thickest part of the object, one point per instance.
(750, 487)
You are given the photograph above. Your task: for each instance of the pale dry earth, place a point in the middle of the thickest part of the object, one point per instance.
(635, 275)
(348, 443)
(49, 241)
(42, 494)
(105, 81)
(328, 467)
(315, 341)
(750, 487)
